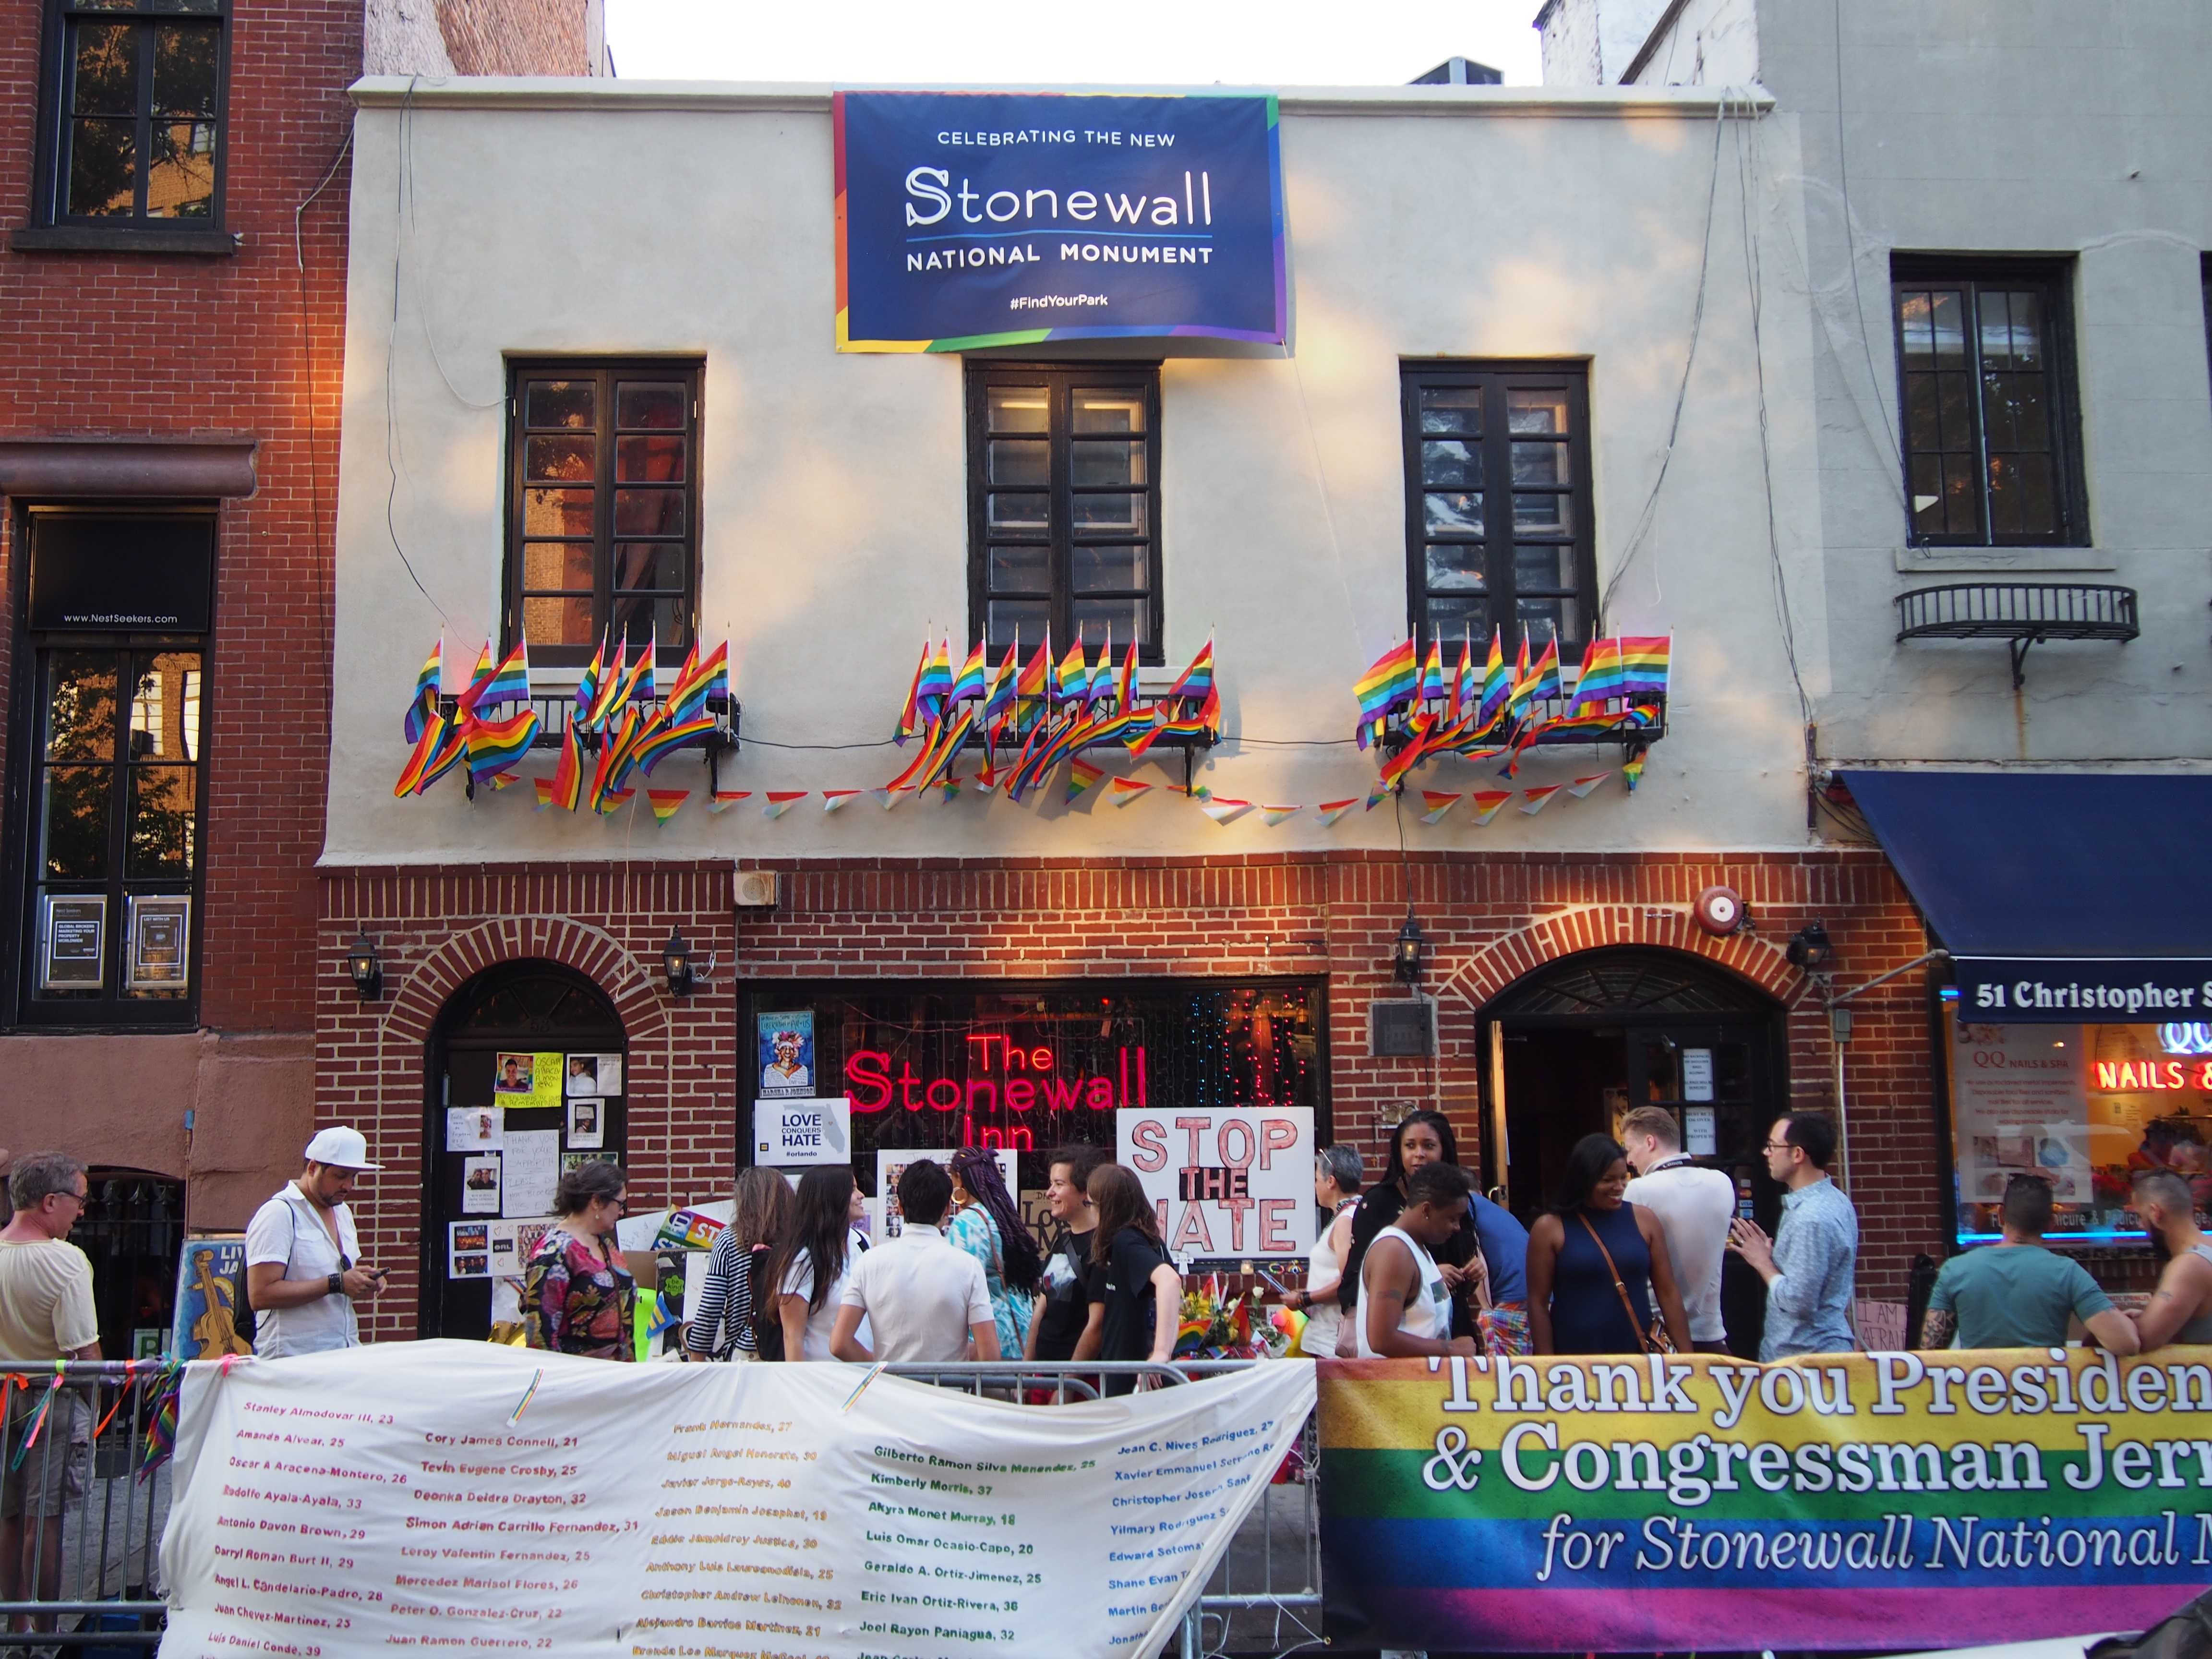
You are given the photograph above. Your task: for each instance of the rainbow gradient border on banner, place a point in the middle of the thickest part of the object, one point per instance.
(1040, 335)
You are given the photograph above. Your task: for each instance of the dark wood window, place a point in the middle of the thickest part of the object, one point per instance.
(1985, 374)
(602, 506)
(112, 776)
(135, 130)
(1498, 501)
(1064, 505)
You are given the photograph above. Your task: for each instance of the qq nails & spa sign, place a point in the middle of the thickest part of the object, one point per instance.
(979, 219)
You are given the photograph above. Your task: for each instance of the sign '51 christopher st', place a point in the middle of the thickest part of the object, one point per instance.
(980, 219)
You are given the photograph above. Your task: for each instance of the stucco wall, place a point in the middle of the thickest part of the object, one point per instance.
(1995, 126)
(1422, 223)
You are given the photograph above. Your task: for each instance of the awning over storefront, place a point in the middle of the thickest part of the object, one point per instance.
(2059, 895)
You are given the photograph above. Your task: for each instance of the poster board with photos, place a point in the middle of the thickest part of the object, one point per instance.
(514, 1118)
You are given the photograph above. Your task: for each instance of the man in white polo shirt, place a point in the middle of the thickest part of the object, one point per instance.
(925, 1297)
(303, 1266)
(1694, 1206)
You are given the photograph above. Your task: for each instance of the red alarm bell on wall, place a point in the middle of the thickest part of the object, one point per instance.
(1719, 910)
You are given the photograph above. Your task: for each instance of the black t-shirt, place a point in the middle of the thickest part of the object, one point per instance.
(1070, 1283)
(1131, 1261)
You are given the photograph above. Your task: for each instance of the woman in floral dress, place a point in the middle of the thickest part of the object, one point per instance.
(577, 1295)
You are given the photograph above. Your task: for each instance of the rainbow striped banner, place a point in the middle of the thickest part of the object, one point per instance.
(1664, 1502)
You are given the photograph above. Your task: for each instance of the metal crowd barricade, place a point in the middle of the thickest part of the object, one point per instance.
(1264, 1596)
(105, 1565)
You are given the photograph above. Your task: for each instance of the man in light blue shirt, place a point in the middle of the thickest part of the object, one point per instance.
(1809, 1264)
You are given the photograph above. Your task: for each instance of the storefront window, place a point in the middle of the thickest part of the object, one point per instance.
(2083, 1106)
(1028, 1070)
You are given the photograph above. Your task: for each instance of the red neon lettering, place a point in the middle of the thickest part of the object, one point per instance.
(952, 1102)
(906, 1080)
(1061, 1096)
(990, 1093)
(987, 1039)
(868, 1080)
(1021, 1093)
(1098, 1094)
(1040, 1058)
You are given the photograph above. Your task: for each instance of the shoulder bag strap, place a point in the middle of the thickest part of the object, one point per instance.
(1618, 1289)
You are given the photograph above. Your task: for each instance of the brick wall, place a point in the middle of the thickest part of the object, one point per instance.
(516, 37)
(1488, 920)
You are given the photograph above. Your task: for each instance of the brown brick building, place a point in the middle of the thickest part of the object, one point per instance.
(174, 184)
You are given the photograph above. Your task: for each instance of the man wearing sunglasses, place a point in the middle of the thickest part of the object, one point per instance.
(303, 1266)
(46, 1314)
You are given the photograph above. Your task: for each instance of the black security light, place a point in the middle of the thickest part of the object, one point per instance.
(1405, 953)
(1809, 948)
(676, 959)
(366, 971)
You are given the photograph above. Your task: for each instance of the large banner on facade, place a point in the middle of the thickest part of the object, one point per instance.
(452, 1494)
(1664, 1503)
(981, 219)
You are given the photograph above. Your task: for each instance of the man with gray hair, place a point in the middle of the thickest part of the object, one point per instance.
(46, 1314)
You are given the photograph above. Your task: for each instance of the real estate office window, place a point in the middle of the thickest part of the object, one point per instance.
(602, 506)
(1498, 503)
(1063, 506)
(133, 106)
(1992, 425)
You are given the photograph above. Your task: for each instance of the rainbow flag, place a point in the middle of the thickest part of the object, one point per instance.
(910, 720)
(510, 682)
(568, 779)
(428, 684)
(935, 696)
(1644, 663)
(496, 745)
(1487, 803)
(644, 678)
(1330, 810)
(499, 781)
(1440, 802)
(1544, 678)
(1497, 689)
(948, 751)
(664, 802)
(1272, 816)
(1073, 678)
(723, 799)
(1632, 770)
(969, 682)
(1036, 679)
(1535, 800)
(1388, 682)
(1418, 735)
(1122, 790)
(1433, 683)
(436, 752)
(1197, 680)
(1462, 696)
(467, 700)
(1101, 688)
(1222, 811)
(587, 687)
(1601, 676)
(1081, 775)
(1522, 688)
(1125, 691)
(1379, 794)
(545, 789)
(779, 801)
(835, 799)
(999, 697)
(631, 687)
(608, 695)
(695, 681)
(656, 747)
(1581, 787)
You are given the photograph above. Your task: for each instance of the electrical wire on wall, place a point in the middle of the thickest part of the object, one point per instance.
(395, 462)
(326, 609)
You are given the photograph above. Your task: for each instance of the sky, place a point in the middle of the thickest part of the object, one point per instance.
(1266, 43)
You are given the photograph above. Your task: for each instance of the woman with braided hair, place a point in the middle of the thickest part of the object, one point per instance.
(986, 1225)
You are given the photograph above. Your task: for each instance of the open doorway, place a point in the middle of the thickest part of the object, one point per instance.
(1580, 1042)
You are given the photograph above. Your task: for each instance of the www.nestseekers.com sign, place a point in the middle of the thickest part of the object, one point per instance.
(980, 219)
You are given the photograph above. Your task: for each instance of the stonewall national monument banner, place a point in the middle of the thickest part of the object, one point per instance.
(484, 1499)
(982, 219)
(1664, 1503)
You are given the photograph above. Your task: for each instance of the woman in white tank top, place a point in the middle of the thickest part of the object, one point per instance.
(1428, 1315)
(1336, 1187)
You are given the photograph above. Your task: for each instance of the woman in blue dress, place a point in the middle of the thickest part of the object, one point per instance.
(1596, 1263)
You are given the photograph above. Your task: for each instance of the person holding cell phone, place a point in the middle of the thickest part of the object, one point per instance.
(303, 1267)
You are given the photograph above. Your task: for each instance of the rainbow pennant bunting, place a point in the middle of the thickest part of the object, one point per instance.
(1389, 682)
(834, 801)
(1379, 794)
(664, 802)
(780, 801)
(1122, 790)
(1581, 787)
(1272, 815)
(1440, 802)
(1632, 770)
(723, 799)
(499, 781)
(1533, 801)
(1223, 811)
(1330, 810)
(1487, 803)
(988, 778)
(428, 684)
(545, 789)
(1081, 775)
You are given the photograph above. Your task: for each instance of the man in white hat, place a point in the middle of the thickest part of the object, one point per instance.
(303, 1266)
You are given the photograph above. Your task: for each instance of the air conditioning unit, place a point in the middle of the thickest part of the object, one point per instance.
(756, 889)
(1400, 1028)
